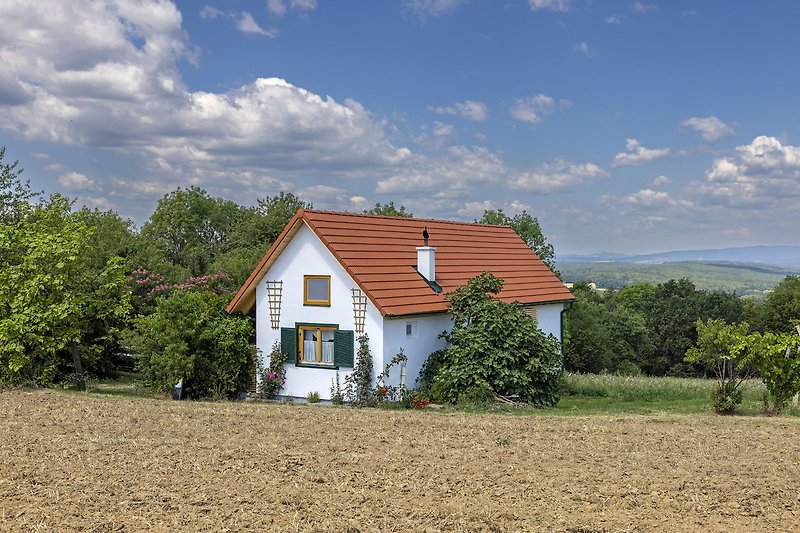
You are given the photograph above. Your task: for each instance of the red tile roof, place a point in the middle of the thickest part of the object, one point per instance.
(380, 254)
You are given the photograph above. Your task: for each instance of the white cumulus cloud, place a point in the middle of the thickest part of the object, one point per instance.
(75, 181)
(469, 109)
(762, 175)
(710, 128)
(106, 76)
(560, 175)
(245, 23)
(637, 154)
(532, 109)
(449, 175)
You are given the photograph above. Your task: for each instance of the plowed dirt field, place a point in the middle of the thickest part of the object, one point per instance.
(91, 463)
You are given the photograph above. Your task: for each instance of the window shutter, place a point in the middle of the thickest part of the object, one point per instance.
(343, 347)
(289, 344)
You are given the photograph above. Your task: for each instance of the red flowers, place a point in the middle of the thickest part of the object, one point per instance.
(418, 402)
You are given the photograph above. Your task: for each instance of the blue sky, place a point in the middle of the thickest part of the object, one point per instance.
(623, 126)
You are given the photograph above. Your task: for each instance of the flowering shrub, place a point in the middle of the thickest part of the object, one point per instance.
(419, 402)
(273, 378)
(358, 389)
(210, 282)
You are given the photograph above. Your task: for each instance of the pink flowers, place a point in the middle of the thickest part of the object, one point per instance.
(272, 376)
(151, 283)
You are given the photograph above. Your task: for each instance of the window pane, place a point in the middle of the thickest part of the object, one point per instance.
(310, 345)
(317, 289)
(327, 346)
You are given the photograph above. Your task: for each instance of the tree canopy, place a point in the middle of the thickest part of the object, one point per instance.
(388, 210)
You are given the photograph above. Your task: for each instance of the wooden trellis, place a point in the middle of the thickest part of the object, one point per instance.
(359, 309)
(274, 291)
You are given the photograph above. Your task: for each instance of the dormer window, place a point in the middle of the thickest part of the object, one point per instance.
(316, 290)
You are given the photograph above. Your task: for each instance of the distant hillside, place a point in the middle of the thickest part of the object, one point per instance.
(770, 255)
(744, 278)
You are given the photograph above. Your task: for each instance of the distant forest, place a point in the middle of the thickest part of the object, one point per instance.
(745, 279)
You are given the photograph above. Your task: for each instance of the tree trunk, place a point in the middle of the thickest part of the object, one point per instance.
(76, 359)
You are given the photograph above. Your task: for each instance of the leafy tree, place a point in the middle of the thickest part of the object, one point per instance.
(388, 210)
(112, 236)
(776, 358)
(635, 296)
(671, 312)
(277, 211)
(15, 195)
(256, 230)
(190, 228)
(52, 304)
(528, 228)
(780, 312)
(604, 336)
(494, 345)
(716, 348)
(190, 336)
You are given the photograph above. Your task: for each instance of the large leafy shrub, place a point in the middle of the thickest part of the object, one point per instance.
(715, 340)
(493, 345)
(190, 336)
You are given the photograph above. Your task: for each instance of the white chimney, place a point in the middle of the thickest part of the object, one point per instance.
(426, 258)
(426, 262)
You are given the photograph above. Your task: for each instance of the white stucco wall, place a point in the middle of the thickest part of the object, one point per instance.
(417, 347)
(306, 255)
(549, 319)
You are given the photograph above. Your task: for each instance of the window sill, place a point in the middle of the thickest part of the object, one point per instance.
(316, 365)
(312, 304)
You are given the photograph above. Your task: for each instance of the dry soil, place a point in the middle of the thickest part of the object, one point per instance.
(89, 463)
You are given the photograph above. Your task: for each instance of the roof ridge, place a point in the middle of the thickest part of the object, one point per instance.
(368, 215)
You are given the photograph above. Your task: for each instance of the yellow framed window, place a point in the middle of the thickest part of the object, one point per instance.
(315, 345)
(316, 290)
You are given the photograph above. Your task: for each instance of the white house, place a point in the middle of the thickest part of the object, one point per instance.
(329, 277)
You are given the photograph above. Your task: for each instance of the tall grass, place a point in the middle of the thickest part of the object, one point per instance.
(607, 393)
(636, 388)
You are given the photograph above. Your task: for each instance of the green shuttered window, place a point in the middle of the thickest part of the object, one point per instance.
(314, 351)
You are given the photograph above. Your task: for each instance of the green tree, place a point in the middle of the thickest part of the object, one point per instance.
(528, 228)
(190, 228)
(190, 336)
(15, 194)
(776, 359)
(780, 312)
(256, 230)
(604, 336)
(671, 312)
(52, 305)
(388, 210)
(635, 296)
(716, 349)
(494, 345)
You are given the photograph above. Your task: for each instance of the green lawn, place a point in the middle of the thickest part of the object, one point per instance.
(581, 395)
